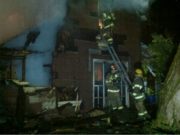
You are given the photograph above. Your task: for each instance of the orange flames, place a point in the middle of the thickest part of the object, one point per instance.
(100, 24)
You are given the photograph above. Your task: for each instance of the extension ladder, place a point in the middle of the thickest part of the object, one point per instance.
(117, 61)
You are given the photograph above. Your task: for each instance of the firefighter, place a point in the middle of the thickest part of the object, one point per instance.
(108, 24)
(114, 100)
(139, 96)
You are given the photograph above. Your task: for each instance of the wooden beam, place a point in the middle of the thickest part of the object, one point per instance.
(74, 103)
(32, 89)
(23, 68)
(20, 83)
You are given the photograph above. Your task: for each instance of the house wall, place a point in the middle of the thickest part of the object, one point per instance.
(127, 25)
(72, 69)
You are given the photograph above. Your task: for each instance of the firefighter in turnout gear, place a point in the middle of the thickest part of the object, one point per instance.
(106, 24)
(114, 100)
(138, 94)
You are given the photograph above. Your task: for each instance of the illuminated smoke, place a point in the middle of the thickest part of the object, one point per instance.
(17, 16)
(45, 43)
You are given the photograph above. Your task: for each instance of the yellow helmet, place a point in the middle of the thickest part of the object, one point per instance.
(139, 72)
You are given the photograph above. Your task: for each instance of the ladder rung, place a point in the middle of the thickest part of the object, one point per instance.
(116, 60)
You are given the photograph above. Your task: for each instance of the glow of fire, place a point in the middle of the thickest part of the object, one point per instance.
(100, 24)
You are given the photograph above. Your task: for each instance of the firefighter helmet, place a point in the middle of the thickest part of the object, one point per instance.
(113, 67)
(139, 72)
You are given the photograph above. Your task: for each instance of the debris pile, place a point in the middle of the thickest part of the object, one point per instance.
(57, 110)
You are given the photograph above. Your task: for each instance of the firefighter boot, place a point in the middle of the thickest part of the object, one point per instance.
(147, 116)
(119, 116)
(109, 121)
(141, 118)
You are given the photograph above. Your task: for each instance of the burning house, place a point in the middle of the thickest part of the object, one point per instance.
(74, 72)
(86, 65)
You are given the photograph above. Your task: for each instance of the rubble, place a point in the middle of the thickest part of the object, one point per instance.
(20, 82)
(64, 130)
(58, 111)
(32, 89)
(30, 123)
(96, 112)
(53, 121)
(35, 131)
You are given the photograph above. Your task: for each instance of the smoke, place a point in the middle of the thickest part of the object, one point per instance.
(106, 5)
(44, 46)
(17, 16)
(129, 5)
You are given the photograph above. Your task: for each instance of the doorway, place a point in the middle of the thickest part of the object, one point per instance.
(100, 69)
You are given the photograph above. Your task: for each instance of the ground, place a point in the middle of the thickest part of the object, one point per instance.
(82, 125)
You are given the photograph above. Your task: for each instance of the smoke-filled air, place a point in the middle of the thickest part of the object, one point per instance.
(128, 5)
(43, 44)
(17, 16)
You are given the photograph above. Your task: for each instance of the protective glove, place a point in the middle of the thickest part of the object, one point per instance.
(130, 89)
(115, 82)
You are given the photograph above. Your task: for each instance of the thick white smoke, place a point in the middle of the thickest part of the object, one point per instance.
(45, 43)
